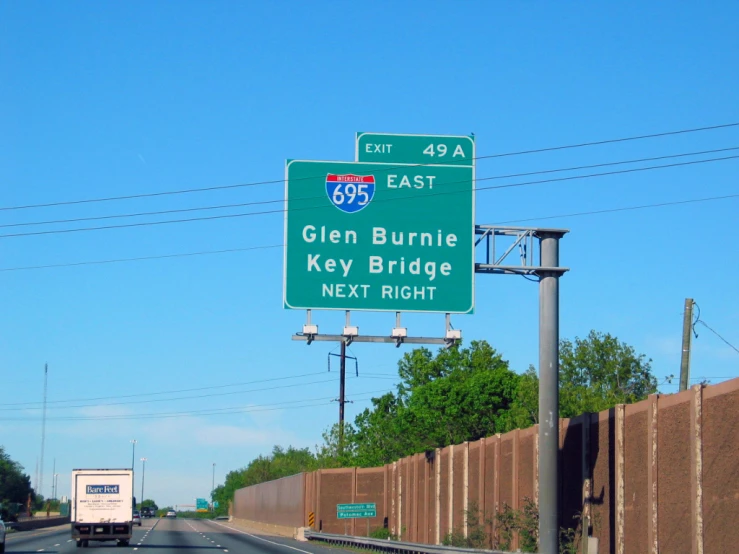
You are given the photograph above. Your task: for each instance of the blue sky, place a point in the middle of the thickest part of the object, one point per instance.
(111, 99)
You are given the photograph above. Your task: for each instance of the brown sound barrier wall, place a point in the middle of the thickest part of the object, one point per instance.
(661, 475)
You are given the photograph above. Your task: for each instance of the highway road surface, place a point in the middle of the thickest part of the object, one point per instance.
(167, 536)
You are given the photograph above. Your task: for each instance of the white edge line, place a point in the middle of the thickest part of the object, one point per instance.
(261, 539)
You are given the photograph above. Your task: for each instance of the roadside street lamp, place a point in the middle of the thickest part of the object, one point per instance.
(56, 492)
(143, 474)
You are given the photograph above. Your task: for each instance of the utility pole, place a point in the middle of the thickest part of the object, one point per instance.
(43, 435)
(687, 336)
(342, 398)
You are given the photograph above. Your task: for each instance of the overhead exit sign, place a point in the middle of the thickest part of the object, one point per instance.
(415, 149)
(379, 236)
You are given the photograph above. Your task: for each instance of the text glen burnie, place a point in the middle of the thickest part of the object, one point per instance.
(379, 264)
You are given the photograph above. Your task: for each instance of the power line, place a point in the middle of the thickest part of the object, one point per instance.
(229, 250)
(200, 396)
(282, 210)
(263, 202)
(142, 258)
(271, 182)
(719, 336)
(205, 412)
(210, 395)
(609, 141)
(628, 208)
(175, 391)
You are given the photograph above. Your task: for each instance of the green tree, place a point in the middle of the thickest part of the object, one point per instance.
(332, 453)
(598, 372)
(15, 486)
(280, 463)
(148, 503)
(525, 409)
(461, 394)
(595, 374)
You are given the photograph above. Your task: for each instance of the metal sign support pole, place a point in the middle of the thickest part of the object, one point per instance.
(549, 394)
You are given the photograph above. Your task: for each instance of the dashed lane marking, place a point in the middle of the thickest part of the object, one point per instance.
(57, 544)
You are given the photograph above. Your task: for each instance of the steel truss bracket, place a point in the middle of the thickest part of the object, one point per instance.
(498, 259)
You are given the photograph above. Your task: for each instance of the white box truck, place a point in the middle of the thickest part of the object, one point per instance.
(102, 505)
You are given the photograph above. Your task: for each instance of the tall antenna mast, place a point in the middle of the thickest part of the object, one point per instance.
(43, 435)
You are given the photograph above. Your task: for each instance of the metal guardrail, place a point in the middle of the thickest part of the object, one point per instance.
(387, 545)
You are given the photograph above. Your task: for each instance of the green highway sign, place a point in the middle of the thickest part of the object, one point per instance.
(351, 511)
(379, 237)
(415, 149)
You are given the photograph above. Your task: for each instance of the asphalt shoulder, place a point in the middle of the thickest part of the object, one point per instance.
(279, 544)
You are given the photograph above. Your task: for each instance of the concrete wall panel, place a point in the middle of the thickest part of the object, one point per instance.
(602, 441)
(444, 492)
(505, 470)
(636, 478)
(370, 488)
(721, 467)
(279, 502)
(336, 488)
(458, 504)
(571, 464)
(673, 444)
(526, 465)
(476, 475)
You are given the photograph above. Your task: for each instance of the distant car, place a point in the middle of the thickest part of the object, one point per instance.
(136, 518)
(146, 512)
(171, 513)
(2, 536)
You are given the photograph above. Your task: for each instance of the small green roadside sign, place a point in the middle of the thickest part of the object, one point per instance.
(352, 511)
(415, 149)
(379, 237)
